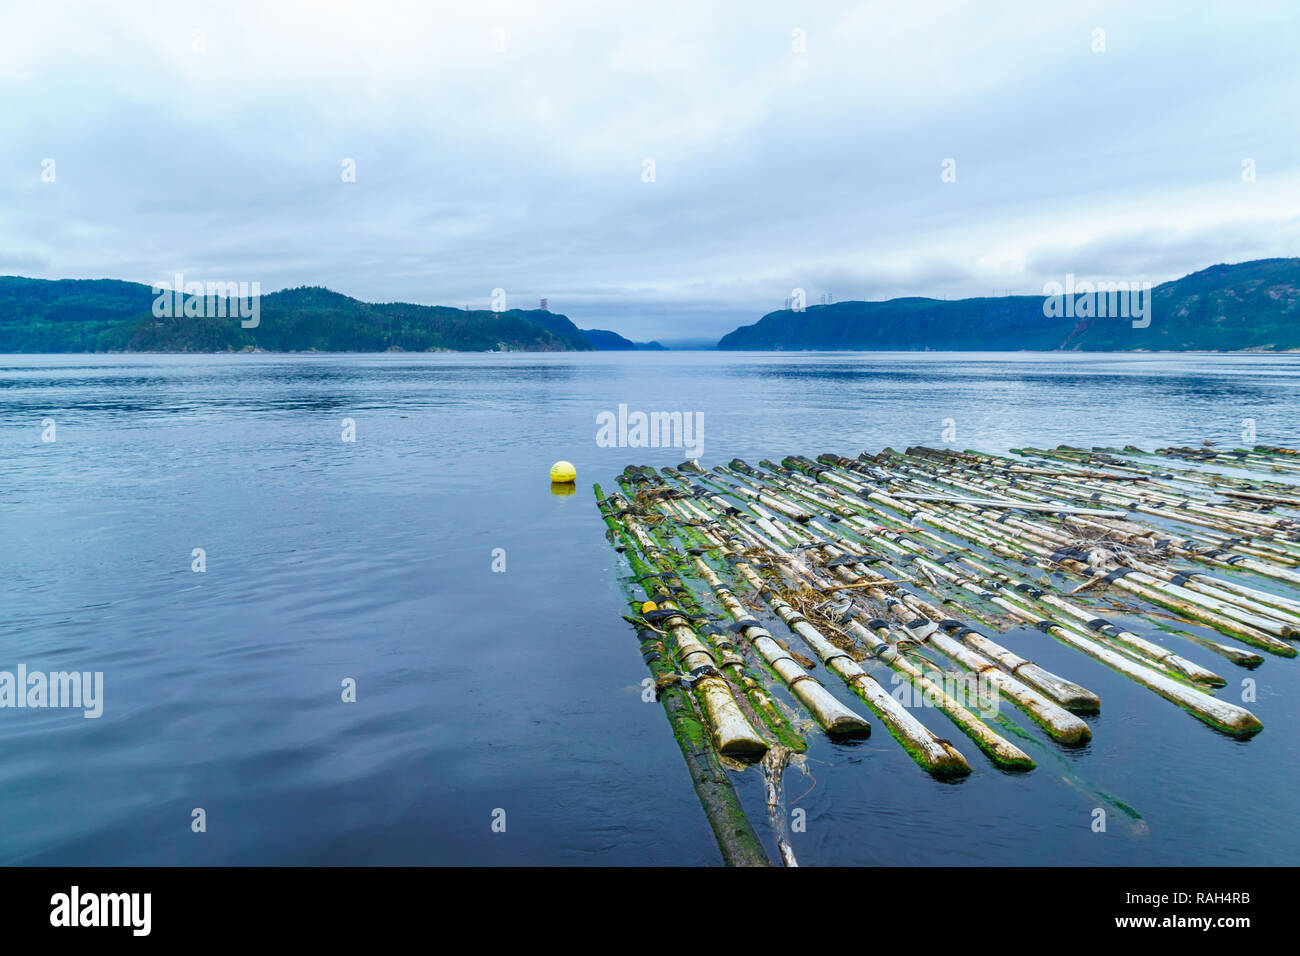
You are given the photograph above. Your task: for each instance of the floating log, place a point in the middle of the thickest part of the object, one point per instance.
(733, 735)
(737, 841)
(734, 833)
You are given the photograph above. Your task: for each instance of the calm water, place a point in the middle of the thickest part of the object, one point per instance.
(371, 560)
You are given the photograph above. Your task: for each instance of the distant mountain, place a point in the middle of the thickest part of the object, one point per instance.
(1250, 305)
(613, 342)
(97, 315)
(608, 341)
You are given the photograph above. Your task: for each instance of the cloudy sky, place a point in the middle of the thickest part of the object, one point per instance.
(505, 145)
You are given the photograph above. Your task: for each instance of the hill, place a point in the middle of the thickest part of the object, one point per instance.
(1250, 305)
(97, 315)
(608, 341)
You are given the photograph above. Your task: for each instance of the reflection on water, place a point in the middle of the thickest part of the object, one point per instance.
(516, 688)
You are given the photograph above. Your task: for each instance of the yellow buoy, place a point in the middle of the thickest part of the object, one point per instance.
(649, 606)
(563, 472)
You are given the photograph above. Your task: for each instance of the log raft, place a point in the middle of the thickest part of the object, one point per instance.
(909, 564)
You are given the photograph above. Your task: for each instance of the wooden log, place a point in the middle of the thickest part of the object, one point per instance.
(735, 836)
(733, 735)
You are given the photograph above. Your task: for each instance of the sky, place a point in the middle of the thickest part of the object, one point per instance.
(666, 170)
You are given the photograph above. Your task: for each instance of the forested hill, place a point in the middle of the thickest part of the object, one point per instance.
(1250, 305)
(608, 341)
(97, 315)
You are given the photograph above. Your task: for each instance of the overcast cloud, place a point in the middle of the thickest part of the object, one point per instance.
(523, 168)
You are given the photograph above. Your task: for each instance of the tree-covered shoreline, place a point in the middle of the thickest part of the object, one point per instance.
(1249, 306)
(108, 315)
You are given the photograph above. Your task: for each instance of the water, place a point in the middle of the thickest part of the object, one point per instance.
(478, 691)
